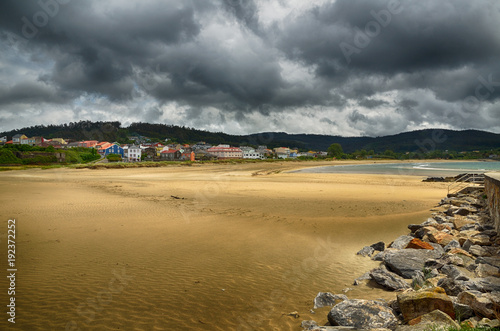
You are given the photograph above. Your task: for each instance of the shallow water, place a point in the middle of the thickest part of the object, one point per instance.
(441, 169)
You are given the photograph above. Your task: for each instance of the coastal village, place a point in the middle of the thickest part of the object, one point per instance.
(144, 150)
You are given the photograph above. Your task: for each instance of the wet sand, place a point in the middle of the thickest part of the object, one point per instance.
(210, 247)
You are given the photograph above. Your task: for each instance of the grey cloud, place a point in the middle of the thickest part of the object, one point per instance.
(371, 103)
(328, 121)
(31, 92)
(433, 63)
(245, 11)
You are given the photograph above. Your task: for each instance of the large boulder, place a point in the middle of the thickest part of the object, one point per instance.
(480, 239)
(434, 319)
(440, 218)
(485, 270)
(378, 246)
(463, 312)
(363, 314)
(407, 262)
(401, 242)
(441, 238)
(362, 279)
(451, 287)
(493, 260)
(488, 323)
(414, 227)
(485, 284)
(419, 244)
(477, 250)
(324, 299)
(463, 211)
(388, 279)
(459, 222)
(454, 272)
(481, 305)
(415, 304)
(452, 245)
(425, 231)
(366, 251)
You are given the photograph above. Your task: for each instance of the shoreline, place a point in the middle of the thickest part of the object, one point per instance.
(453, 263)
(161, 164)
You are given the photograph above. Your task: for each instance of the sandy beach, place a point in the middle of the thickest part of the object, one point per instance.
(202, 247)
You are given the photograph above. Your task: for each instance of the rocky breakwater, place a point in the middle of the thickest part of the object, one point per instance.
(445, 273)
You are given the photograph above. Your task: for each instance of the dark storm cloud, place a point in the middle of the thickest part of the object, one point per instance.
(245, 11)
(94, 48)
(347, 39)
(31, 92)
(371, 103)
(373, 66)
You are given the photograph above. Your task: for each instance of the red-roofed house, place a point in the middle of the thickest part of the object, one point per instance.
(88, 143)
(102, 144)
(109, 148)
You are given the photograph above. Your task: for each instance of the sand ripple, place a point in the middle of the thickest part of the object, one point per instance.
(109, 250)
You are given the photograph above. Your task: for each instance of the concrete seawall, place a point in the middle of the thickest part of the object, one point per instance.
(492, 189)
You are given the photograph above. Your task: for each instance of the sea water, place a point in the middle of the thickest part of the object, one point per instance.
(437, 169)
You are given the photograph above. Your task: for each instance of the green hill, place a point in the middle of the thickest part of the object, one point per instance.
(414, 141)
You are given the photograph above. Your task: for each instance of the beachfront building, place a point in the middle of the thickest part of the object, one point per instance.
(149, 152)
(201, 145)
(251, 153)
(309, 154)
(17, 138)
(39, 141)
(226, 152)
(203, 155)
(134, 153)
(73, 144)
(282, 152)
(88, 143)
(264, 151)
(188, 156)
(60, 141)
(170, 155)
(109, 148)
(28, 141)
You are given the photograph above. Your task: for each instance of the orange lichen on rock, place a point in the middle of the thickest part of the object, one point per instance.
(419, 244)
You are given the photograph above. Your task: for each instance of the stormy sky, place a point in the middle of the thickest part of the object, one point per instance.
(347, 67)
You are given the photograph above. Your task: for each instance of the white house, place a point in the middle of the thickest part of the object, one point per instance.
(17, 138)
(251, 153)
(134, 153)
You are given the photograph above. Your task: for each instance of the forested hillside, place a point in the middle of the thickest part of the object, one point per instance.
(415, 141)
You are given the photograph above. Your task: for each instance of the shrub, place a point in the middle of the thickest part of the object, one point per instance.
(114, 157)
(7, 157)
